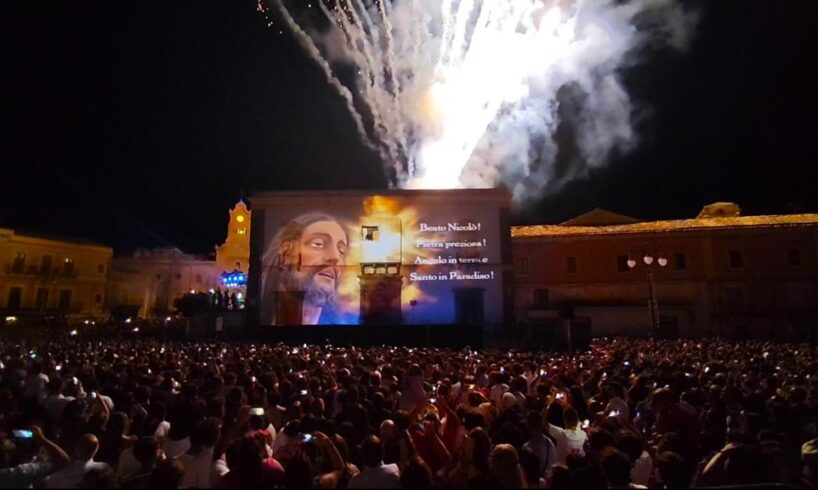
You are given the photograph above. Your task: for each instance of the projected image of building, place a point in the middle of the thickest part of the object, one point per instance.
(394, 257)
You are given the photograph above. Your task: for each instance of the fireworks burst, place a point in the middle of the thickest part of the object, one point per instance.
(467, 93)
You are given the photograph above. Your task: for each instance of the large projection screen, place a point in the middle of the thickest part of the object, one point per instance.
(349, 258)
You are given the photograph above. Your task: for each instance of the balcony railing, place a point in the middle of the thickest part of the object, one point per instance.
(33, 270)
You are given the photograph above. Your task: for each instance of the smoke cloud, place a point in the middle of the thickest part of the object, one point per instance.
(477, 93)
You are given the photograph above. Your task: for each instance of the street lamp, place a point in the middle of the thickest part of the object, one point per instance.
(653, 304)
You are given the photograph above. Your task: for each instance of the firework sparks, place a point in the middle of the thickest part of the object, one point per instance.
(455, 93)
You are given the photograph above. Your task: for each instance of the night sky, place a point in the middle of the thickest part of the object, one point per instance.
(139, 124)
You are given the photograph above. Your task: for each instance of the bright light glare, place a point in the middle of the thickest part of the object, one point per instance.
(465, 93)
(471, 91)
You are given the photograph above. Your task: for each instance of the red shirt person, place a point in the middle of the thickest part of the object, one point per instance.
(250, 467)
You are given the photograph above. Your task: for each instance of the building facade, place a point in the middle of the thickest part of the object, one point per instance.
(41, 276)
(234, 253)
(717, 274)
(149, 282)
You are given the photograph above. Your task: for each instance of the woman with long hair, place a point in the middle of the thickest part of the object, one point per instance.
(506, 471)
(472, 468)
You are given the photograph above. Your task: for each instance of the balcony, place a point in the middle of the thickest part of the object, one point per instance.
(34, 271)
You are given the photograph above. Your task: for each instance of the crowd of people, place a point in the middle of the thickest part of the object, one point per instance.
(139, 413)
(213, 300)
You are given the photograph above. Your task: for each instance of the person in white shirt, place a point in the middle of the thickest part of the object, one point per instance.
(539, 443)
(497, 390)
(36, 383)
(162, 430)
(642, 469)
(71, 475)
(641, 462)
(375, 474)
(617, 406)
(55, 402)
(177, 441)
(571, 439)
(175, 448)
(128, 465)
(198, 460)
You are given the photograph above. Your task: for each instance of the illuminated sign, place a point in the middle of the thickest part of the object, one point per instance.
(234, 279)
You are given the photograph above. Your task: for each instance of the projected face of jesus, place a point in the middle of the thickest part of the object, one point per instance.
(323, 247)
(305, 256)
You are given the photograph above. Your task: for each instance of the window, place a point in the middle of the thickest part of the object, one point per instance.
(521, 266)
(679, 262)
(541, 297)
(19, 263)
(15, 298)
(68, 267)
(100, 268)
(794, 257)
(622, 263)
(369, 233)
(42, 298)
(65, 299)
(46, 264)
(570, 265)
(736, 259)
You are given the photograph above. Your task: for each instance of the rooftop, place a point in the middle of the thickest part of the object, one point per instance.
(713, 217)
(9, 233)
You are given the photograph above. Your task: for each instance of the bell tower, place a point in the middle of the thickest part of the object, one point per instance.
(234, 253)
